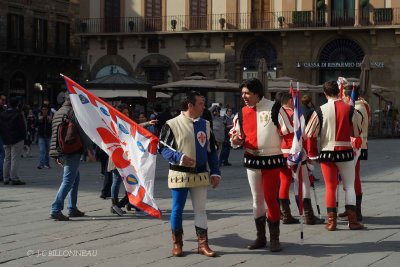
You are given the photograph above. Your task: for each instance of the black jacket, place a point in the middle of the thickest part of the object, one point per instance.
(12, 126)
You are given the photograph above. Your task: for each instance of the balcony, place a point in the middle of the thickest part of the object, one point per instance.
(241, 21)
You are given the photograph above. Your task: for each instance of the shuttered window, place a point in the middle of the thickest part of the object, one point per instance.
(198, 14)
(153, 15)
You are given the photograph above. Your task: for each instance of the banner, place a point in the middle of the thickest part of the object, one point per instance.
(131, 147)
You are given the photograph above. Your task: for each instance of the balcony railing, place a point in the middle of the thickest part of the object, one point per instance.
(241, 21)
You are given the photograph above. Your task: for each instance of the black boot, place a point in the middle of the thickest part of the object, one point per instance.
(311, 219)
(261, 240)
(287, 217)
(274, 233)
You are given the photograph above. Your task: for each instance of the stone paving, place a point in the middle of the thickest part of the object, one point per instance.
(28, 237)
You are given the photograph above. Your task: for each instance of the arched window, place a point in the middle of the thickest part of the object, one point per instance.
(341, 51)
(110, 69)
(256, 51)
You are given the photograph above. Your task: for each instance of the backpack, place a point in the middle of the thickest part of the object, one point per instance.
(69, 140)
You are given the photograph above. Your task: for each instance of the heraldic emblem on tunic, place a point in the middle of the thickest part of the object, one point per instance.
(264, 118)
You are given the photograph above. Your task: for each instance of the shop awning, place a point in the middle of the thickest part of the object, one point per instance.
(124, 93)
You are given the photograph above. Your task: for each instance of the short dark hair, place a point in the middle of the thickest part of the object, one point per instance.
(122, 106)
(306, 99)
(331, 88)
(190, 98)
(349, 89)
(283, 97)
(254, 85)
(143, 113)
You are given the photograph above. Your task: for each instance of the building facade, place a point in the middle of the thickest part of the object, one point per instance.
(309, 40)
(37, 43)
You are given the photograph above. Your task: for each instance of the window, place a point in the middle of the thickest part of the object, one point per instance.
(109, 70)
(198, 14)
(153, 15)
(62, 38)
(40, 35)
(112, 15)
(343, 12)
(260, 13)
(152, 44)
(112, 47)
(15, 32)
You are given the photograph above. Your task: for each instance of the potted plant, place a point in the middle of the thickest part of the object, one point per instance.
(131, 25)
(222, 23)
(281, 20)
(321, 4)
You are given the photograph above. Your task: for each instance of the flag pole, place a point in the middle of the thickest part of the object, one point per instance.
(300, 171)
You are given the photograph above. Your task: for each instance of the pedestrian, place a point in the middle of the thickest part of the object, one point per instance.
(335, 122)
(30, 133)
(69, 162)
(218, 128)
(285, 175)
(226, 145)
(13, 131)
(186, 141)
(44, 136)
(363, 107)
(3, 101)
(256, 128)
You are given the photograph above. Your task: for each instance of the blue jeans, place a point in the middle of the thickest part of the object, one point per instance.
(179, 196)
(69, 185)
(116, 182)
(2, 155)
(44, 146)
(224, 156)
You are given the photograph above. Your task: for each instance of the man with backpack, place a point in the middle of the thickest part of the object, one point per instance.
(68, 160)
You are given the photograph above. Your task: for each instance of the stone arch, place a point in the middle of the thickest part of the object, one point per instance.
(111, 60)
(256, 49)
(157, 60)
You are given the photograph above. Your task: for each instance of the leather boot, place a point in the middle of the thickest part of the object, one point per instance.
(332, 221)
(261, 240)
(287, 217)
(343, 216)
(311, 219)
(351, 214)
(358, 208)
(202, 238)
(274, 236)
(177, 243)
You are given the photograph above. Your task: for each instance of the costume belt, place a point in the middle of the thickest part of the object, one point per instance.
(197, 169)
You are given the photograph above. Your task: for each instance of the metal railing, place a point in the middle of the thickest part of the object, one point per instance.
(241, 21)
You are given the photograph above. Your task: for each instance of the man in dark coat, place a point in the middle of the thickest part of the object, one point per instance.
(13, 131)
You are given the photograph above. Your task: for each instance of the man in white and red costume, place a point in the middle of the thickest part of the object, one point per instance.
(336, 122)
(287, 132)
(256, 127)
(362, 107)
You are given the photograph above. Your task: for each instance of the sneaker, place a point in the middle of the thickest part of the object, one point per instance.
(17, 182)
(46, 167)
(59, 217)
(117, 210)
(40, 167)
(76, 213)
(6, 182)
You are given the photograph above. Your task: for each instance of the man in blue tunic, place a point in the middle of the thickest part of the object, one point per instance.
(186, 141)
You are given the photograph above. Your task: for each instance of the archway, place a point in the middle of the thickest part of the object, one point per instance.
(253, 53)
(340, 57)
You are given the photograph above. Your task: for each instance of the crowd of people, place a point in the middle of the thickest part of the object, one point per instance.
(197, 142)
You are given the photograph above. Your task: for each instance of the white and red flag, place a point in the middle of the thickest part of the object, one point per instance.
(131, 147)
